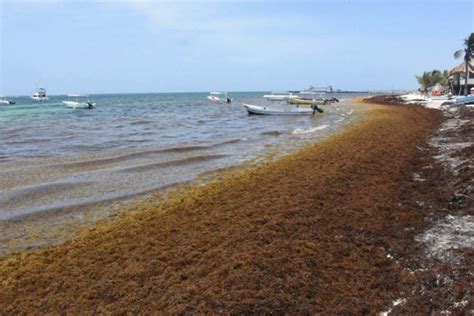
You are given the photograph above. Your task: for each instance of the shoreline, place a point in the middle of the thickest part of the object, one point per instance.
(319, 230)
(52, 199)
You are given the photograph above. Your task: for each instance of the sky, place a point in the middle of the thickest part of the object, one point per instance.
(133, 46)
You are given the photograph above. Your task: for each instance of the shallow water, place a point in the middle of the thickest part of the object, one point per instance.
(127, 121)
(60, 168)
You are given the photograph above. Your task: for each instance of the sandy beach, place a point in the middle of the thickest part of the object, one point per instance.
(347, 225)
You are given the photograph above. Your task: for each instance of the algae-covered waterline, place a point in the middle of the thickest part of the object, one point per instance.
(58, 164)
(311, 231)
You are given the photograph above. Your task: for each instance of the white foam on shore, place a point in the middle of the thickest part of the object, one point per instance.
(412, 98)
(394, 303)
(448, 146)
(451, 233)
(309, 130)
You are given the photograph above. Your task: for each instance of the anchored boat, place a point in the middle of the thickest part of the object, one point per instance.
(40, 95)
(219, 98)
(263, 110)
(6, 101)
(79, 101)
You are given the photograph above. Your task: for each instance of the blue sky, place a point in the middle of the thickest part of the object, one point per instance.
(177, 46)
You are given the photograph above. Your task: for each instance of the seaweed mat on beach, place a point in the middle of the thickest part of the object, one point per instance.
(307, 233)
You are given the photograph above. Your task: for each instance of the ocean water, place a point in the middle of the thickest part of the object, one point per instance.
(57, 161)
(62, 168)
(126, 121)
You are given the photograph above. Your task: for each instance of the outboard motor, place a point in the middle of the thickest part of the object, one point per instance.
(315, 108)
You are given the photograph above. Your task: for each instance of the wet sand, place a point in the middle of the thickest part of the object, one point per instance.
(332, 228)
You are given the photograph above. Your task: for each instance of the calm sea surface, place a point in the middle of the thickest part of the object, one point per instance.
(62, 168)
(126, 121)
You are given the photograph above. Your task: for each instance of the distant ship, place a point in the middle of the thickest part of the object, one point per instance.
(312, 89)
(40, 95)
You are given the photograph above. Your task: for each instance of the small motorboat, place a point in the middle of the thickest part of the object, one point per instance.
(219, 98)
(304, 101)
(6, 101)
(280, 96)
(40, 95)
(263, 110)
(75, 101)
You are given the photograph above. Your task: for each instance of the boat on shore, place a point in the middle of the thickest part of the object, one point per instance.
(263, 110)
(6, 101)
(280, 96)
(76, 101)
(219, 98)
(40, 95)
(463, 100)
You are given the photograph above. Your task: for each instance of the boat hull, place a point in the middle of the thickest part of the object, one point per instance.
(263, 110)
(215, 100)
(305, 101)
(40, 99)
(78, 105)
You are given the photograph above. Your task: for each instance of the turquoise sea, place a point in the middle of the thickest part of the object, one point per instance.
(61, 167)
(121, 121)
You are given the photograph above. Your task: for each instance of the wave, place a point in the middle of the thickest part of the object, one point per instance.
(309, 130)
(172, 163)
(272, 133)
(117, 159)
(232, 141)
(141, 122)
(32, 192)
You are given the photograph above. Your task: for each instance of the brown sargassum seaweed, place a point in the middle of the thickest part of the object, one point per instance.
(307, 233)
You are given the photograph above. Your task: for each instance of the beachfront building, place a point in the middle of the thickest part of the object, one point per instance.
(456, 78)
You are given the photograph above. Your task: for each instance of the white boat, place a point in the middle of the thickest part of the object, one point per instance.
(40, 95)
(469, 99)
(6, 101)
(280, 96)
(219, 98)
(312, 89)
(76, 101)
(263, 110)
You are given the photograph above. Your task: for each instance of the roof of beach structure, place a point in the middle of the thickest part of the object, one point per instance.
(461, 68)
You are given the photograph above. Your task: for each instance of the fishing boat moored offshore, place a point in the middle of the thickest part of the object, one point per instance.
(6, 101)
(40, 95)
(263, 110)
(219, 98)
(75, 101)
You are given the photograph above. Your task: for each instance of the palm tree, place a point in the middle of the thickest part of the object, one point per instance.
(425, 81)
(468, 56)
(429, 79)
